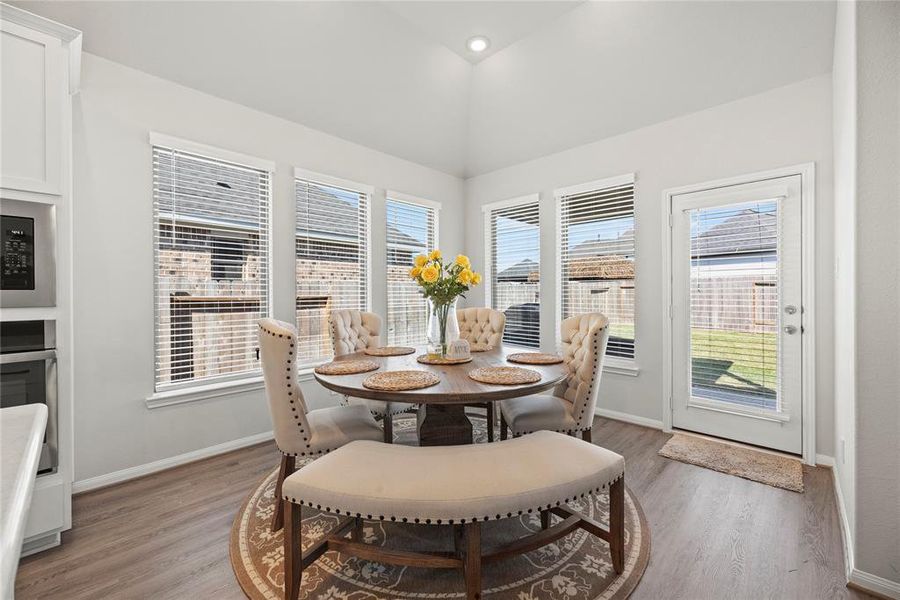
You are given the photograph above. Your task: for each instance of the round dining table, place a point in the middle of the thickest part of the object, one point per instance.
(442, 419)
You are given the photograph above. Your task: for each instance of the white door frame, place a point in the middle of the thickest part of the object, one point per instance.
(807, 173)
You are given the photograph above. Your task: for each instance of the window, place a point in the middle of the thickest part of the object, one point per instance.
(211, 255)
(411, 229)
(597, 256)
(332, 259)
(514, 252)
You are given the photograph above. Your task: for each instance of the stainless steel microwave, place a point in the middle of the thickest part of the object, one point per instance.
(27, 254)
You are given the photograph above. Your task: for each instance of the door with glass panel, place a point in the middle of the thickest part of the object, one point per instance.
(736, 313)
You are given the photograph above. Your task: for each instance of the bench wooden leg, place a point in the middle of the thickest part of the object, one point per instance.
(617, 524)
(503, 432)
(545, 519)
(490, 420)
(356, 533)
(586, 435)
(472, 560)
(293, 563)
(388, 423)
(285, 471)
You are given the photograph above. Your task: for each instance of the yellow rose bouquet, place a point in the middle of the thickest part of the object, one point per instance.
(442, 283)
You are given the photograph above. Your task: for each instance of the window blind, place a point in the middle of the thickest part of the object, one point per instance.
(211, 275)
(332, 261)
(597, 260)
(734, 304)
(410, 231)
(515, 251)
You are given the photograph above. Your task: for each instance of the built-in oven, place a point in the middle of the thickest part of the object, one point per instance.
(28, 376)
(27, 254)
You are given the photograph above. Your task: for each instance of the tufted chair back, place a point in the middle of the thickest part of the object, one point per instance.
(277, 349)
(584, 339)
(481, 325)
(354, 331)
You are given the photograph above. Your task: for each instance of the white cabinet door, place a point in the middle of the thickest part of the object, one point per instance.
(31, 103)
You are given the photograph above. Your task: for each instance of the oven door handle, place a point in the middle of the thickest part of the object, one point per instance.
(20, 357)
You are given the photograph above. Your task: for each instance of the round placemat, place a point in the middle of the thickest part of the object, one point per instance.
(346, 367)
(480, 347)
(389, 351)
(504, 375)
(534, 358)
(427, 360)
(395, 381)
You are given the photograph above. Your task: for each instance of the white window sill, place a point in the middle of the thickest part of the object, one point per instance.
(214, 390)
(621, 367)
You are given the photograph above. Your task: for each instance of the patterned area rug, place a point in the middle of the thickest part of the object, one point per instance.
(576, 567)
(772, 469)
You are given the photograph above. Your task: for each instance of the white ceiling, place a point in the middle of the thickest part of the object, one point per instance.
(395, 76)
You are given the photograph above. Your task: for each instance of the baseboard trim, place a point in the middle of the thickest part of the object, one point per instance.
(823, 460)
(873, 584)
(100, 481)
(628, 418)
(844, 521)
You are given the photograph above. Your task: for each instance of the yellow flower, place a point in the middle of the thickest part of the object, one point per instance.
(464, 277)
(435, 255)
(420, 260)
(430, 273)
(476, 278)
(415, 272)
(463, 261)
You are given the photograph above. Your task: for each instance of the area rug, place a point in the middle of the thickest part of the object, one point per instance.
(576, 567)
(771, 469)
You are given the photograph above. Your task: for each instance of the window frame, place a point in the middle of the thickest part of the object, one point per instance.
(487, 209)
(395, 196)
(306, 175)
(197, 389)
(614, 364)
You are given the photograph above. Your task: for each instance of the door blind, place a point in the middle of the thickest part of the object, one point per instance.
(332, 261)
(410, 231)
(515, 250)
(734, 300)
(211, 266)
(597, 260)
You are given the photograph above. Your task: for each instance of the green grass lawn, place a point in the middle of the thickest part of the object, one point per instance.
(727, 358)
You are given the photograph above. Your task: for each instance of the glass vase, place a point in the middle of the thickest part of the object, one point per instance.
(443, 328)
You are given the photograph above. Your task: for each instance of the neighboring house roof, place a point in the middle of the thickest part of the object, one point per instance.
(746, 232)
(526, 270)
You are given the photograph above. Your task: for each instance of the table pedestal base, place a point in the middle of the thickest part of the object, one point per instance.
(443, 425)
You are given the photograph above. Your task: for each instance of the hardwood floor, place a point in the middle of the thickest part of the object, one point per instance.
(713, 535)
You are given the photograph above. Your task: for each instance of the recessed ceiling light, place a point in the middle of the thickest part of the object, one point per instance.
(479, 43)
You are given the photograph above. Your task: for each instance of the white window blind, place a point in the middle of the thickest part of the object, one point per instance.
(734, 304)
(597, 259)
(211, 246)
(332, 261)
(515, 256)
(410, 231)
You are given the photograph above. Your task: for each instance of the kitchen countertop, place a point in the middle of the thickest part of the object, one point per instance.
(21, 437)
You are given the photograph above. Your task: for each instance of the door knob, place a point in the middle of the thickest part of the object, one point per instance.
(790, 309)
(790, 330)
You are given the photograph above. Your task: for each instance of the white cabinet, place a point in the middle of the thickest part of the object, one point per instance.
(31, 104)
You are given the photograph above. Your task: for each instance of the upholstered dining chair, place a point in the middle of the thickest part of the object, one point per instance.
(300, 432)
(354, 331)
(482, 326)
(570, 408)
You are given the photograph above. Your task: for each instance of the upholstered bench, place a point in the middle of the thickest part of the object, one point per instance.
(460, 486)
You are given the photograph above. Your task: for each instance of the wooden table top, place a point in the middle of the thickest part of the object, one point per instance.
(455, 387)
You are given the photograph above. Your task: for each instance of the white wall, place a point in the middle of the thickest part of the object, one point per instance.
(785, 126)
(878, 292)
(113, 295)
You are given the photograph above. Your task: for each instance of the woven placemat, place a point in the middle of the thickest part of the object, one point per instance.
(395, 381)
(346, 367)
(437, 360)
(389, 351)
(505, 375)
(480, 347)
(534, 358)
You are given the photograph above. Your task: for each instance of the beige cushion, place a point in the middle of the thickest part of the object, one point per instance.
(354, 331)
(481, 325)
(535, 413)
(298, 431)
(380, 407)
(454, 483)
